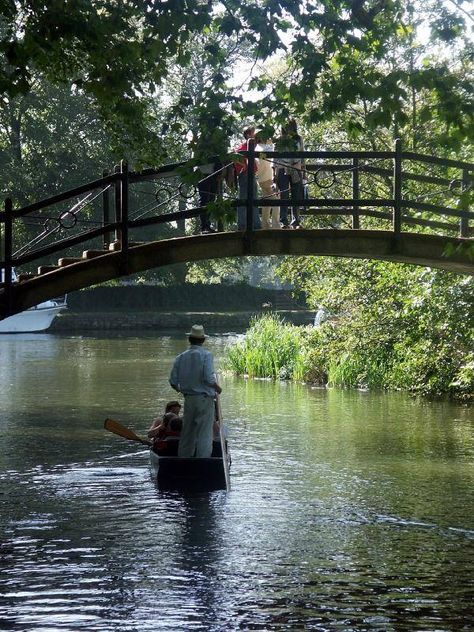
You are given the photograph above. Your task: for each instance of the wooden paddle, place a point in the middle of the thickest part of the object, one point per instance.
(117, 428)
(223, 446)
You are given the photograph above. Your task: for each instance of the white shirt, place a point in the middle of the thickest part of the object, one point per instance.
(193, 372)
(265, 167)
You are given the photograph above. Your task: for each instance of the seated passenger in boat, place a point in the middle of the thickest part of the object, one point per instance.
(159, 423)
(170, 426)
(174, 426)
(166, 442)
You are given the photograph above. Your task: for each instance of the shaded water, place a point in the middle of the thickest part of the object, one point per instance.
(348, 510)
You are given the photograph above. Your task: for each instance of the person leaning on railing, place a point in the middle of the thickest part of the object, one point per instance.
(290, 173)
(208, 187)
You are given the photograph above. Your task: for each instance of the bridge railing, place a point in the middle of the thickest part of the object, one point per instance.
(383, 188)
(408, 168)
(394, 205)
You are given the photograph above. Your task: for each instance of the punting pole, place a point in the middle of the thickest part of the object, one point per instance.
(223, 447)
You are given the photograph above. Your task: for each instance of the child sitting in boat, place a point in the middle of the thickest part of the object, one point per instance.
(173, 408)
(167, 439)
(170, 427)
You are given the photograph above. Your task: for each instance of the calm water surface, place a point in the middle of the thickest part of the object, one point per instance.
(348, 510)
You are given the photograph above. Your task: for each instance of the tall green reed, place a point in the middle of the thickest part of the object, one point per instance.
(271, 348)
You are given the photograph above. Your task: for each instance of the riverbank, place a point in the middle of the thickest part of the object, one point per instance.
(122, 321)
(339, 355)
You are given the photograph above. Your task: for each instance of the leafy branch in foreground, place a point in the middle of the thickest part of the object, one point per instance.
(122, 54)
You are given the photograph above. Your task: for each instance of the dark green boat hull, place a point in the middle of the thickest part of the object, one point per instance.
(173, 472)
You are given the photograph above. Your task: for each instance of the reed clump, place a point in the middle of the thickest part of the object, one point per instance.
(279, 350)
(271, 349)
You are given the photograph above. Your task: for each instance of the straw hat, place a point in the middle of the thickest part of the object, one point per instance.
(197, 331)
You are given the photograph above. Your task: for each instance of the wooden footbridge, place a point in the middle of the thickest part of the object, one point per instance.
(391, 205)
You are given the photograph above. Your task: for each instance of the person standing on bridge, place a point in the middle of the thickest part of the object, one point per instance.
(210, 173)
(270, 214)
(193, 375)
(290, 173)
(242, 178)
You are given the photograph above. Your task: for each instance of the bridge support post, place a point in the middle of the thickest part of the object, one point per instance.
(250, 185)
(124, 207)
(8, 257)
(181, 223)
(105, 213)
(397, 188)
(118, 202)
(355, 193)
(464, 222)
(220, 192)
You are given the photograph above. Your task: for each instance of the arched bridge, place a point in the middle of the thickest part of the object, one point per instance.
(415, 209)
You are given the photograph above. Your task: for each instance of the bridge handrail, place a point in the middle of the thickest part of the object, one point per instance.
(172, 169)
(61, 197)
(434, 160)
(405, 155)
(102, 230)
(380, 171)
(435, 208)
(57, 246)
(334, 206)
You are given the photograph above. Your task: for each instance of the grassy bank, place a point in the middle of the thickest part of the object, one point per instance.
(347, 354)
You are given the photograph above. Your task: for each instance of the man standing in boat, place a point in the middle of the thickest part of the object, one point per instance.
(193, 375)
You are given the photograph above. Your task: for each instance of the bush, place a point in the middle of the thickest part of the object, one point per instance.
(355, 353)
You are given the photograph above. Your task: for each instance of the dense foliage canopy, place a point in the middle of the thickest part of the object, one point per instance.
(390, 325)
(125, 55)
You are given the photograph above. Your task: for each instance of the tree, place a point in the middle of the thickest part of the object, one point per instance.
(51, 139)
(120, 54)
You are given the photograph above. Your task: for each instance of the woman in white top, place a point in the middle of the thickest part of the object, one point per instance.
(270, 214)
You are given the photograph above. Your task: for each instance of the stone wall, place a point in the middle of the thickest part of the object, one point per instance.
(178, 298)
(163, 321)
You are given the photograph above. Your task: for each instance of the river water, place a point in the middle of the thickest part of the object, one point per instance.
(348, 510)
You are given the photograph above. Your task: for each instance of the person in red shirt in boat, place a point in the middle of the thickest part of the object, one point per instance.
(171, 426)
(167, 438)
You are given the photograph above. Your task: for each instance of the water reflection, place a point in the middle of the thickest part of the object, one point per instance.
(348, 510)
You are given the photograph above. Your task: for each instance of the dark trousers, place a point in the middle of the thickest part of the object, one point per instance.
(242, 210)
(207, 193)
(289, 190)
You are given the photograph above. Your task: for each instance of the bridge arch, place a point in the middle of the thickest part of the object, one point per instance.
(412, 248)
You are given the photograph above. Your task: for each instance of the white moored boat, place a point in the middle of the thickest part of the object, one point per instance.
(37, 318)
